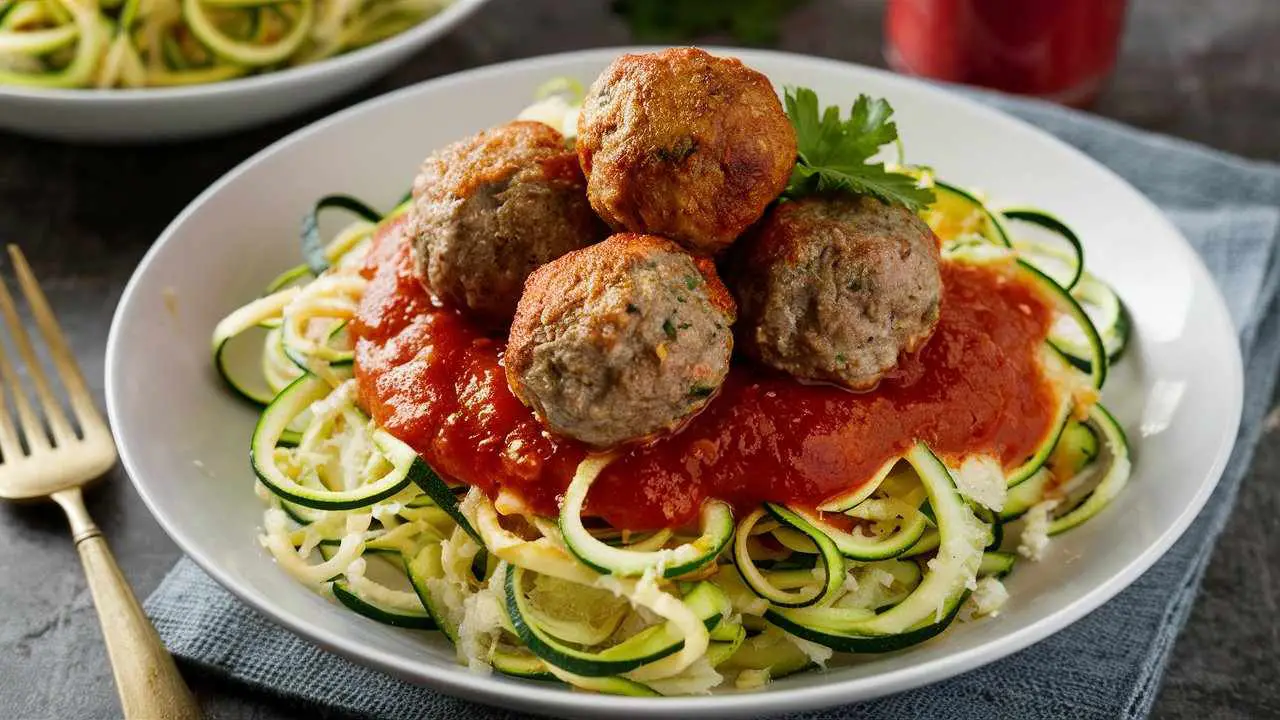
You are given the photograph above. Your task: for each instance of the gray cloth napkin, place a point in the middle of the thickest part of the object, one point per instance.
(1107, 665)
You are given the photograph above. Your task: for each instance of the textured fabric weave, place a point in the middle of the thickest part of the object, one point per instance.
(1106, 665)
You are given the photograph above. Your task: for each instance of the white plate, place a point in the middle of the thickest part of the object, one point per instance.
(1177, 391)
(150, 114)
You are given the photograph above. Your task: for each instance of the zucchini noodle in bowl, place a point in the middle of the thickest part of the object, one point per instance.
(162, 43)
(760, 520)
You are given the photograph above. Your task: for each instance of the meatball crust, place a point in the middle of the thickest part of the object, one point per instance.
(489, 209)
(684, 144)
(621, 340)
(835, 288)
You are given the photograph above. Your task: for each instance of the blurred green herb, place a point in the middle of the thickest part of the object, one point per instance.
(754, 22)
(834, 154)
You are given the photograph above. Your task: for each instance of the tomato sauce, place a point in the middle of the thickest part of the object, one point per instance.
(435, 381)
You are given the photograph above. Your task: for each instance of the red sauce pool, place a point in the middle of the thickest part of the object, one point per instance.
(435, 381)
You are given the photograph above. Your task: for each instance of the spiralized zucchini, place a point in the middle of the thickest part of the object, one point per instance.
(353, 513)
(160, 43)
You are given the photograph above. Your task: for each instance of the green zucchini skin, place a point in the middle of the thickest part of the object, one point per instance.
(643, 650)
(296, 275)
(521, 665)
(868, 644)
(292, 401)
(1020, 499)
(1049, 222)
(941, 592)
(1114, 330)
(422, 568)
(997, 564)
(614, 685)
(832, 562)
(1082, 445)
(717, 530)
(1071, 307)
(857, 548)
(993, 231)
(312, 244)
(426, 478)
(1044, 451)
(395, 618)
(1114, 477)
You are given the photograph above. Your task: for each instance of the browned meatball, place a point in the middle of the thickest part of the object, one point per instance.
(489, 209)
(684, 144)
(835, 288)
(621, 340)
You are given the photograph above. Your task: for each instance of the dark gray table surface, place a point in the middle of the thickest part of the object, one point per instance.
(85, 215)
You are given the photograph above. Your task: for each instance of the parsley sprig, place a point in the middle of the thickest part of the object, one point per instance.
(834, 153)
(754, 22)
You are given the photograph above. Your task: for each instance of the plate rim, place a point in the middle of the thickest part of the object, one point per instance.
(552, 699)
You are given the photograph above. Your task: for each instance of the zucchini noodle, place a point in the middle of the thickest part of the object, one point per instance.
(354, 513)
(162, 43)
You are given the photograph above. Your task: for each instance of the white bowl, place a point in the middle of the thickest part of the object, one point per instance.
(1177, 391)
(149, 114)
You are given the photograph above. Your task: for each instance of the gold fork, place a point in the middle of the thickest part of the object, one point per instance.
(56, 464)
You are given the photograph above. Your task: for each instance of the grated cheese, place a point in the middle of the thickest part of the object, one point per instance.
(481, 623)
(1035, 533)
(981, 479)
(451, 597)
(817, 654)
(987, 599)
(850, 583)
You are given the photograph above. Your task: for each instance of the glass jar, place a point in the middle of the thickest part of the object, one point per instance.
(1060, 50)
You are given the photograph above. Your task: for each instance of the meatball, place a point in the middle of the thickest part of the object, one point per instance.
(835, 288)
(621, 340)
(489, 209)
(684, 144)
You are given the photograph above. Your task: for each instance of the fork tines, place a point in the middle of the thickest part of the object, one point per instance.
(56, 430)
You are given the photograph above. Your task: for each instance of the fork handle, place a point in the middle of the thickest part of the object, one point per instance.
(146, 678)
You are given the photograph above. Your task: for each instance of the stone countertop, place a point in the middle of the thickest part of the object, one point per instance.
(85, 215)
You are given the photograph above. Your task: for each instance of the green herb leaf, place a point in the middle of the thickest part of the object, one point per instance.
(755, 22)
(834, 153)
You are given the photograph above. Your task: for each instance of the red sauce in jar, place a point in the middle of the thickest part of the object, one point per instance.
(1060, 50)
(435, 381)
